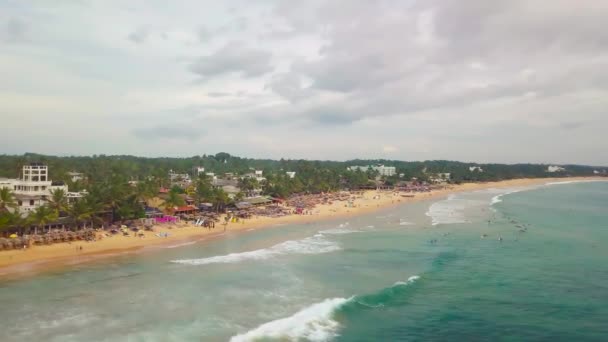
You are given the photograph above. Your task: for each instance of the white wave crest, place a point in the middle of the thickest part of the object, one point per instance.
(310, 245)
(314, 323)
(345, 229)
(448, 211)
(498, 198)
(182, 244)
(575, 181)
(402, 222)
(409, 281)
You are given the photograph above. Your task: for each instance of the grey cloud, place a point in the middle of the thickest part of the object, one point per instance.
(571, 125)
(138, 36)
(169, 131)
(218, 94)
(234, 57)
(204, 35)
(14, 30)
(287, 85)
(397, 58)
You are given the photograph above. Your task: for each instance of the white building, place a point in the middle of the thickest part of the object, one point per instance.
(291, 174)
(555, 168)
(440, 178)
(382, 170)
(475, 168)
(257, 174)
(34, 187)
(76, 176)
(179, 178)
(197, 171)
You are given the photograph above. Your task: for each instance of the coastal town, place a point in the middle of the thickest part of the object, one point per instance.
(40, 211)
(80, 214)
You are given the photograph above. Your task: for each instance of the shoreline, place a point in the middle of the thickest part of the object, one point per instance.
(40, 259)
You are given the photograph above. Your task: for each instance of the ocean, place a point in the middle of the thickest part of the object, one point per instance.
(498, 264)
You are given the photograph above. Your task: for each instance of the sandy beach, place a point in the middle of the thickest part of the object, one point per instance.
(42, 258)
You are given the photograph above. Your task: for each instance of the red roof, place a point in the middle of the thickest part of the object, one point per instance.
(184, 208)
(163, 190)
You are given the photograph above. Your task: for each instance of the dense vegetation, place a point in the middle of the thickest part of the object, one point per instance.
(311, 175)
(111, 196)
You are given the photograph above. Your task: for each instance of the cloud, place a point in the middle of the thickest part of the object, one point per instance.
(204, 35)
(389, 149)
(139, 36)
(328, 79)
(234, 57)
(218, 94)
(170, 131)
(14, 30)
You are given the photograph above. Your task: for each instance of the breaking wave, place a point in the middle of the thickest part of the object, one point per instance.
(345, 228)
(575, 181)
(311, 245)
(182, 244)
(448, 211)
(314, 323)
(320, 321)
(402, 222)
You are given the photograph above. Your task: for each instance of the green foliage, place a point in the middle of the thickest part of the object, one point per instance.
(109, 191)
(204, 189)
(7, 200)
(42, 216)
(58, 201)
(173, 200)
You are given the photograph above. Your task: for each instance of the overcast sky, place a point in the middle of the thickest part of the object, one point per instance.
(487, 81)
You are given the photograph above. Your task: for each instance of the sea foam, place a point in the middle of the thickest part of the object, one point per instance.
(314, 323)
(317, 322)
(345, 229)
(576, 181)
(448, 211)
(311, 245)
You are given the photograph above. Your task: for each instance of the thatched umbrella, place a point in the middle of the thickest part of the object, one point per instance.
(37, 239)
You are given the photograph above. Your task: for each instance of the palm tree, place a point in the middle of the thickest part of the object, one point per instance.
(7, 200)
(204, 189)
(220, 197)
(173, 200)
(10, 220)
(58, 201)
(80, 212)
(145, 190)
(42, 216)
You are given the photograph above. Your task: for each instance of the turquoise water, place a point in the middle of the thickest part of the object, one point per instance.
(389, 276)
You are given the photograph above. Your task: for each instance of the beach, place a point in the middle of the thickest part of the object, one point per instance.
(42, 258)
(515, 263)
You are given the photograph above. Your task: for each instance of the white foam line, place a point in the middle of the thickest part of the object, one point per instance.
(314, 323)
(311, 245)
(576, 181)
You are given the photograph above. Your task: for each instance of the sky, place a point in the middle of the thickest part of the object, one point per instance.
(475, 80)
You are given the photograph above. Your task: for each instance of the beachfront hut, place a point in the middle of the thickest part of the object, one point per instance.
(258, 201)
(205, 207)
(184, 210)
(242, 205)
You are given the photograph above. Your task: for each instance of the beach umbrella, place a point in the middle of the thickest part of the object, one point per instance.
(13, 236)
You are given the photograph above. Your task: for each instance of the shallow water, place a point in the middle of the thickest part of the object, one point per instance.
(388, 276)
